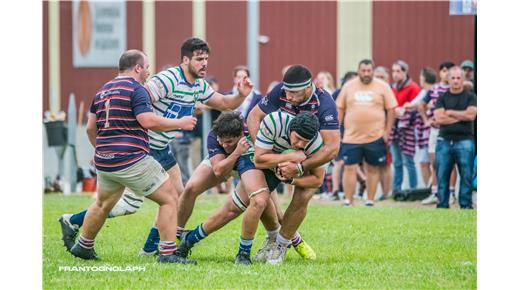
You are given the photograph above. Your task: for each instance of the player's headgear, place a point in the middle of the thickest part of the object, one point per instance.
(306, 124)
(297, 78)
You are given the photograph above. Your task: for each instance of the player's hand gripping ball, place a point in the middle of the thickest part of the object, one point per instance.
(277, 170)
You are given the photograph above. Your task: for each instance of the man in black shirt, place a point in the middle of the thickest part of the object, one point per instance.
(455, 112)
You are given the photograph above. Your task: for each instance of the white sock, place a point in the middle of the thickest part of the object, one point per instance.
(272, 234)
(283, 241)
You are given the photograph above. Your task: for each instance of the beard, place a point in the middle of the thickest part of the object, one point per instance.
(196, 74)
(366, 80)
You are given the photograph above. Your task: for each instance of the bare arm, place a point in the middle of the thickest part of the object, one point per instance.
(267, 159)
(313, 180)
(254, 119)
(341, 104)
(422, 112)
(466, 115)
(151, 121)
(92, 129)
(331, 142)
(390, 117)
(223, 165)
(222, 103)
(442, 119)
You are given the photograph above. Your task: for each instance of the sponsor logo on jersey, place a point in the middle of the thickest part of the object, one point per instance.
(364, 97)
(329, 118)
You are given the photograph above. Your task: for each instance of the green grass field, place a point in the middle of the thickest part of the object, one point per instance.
(357, 247)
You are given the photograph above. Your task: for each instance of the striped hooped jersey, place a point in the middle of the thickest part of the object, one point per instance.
(174, 97)
(120, 140)
(274, 134)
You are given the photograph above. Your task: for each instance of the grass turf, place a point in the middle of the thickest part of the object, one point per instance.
(357, 247)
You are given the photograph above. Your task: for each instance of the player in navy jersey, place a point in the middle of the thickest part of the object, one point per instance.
(227, 153)
(120, 115)
(174, 93)
(294, 95)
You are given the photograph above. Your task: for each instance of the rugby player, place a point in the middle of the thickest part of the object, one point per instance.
(300, 132)
(174, 93)
(294, 95)
(119, 117)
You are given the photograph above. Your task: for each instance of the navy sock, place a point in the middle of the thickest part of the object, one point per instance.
(245, 245)
(78, 218)
(196, 235)
(152, 242)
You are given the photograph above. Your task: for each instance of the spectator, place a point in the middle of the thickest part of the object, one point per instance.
(427, 79)
(180, 147)
(425, 107)
(403, 134)
(468, 68)
(239, 72)
(455, 111)
(383, 74)
(362, 104)
(338, 162)
(325, 81)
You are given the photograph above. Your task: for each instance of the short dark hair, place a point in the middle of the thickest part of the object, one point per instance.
(446, 64)
(366, 62)
(239, 68)
(429, 75)
(191, 45)
(130, 58)
(228, 124)
(297, 77)
(347, 76)
(306, 124)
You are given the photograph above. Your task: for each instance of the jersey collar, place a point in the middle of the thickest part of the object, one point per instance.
(311, 97)
(181, 71)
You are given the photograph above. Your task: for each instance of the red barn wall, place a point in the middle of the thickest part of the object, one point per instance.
(420, 33)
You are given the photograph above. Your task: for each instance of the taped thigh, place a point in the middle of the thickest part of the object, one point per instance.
(258, 191)
(238, 201)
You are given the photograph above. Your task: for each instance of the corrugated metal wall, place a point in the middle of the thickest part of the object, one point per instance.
(299, 32)
(421, 33)
(84, 82)
(226, 32)
(173, 24)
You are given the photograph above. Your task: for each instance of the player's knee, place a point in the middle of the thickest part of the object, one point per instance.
(189, 191)
(350, 169)
(259, 201)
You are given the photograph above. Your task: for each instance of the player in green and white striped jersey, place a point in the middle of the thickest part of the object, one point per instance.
(274, 135)
(299, 133)
(280, 131)
(174, 93)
